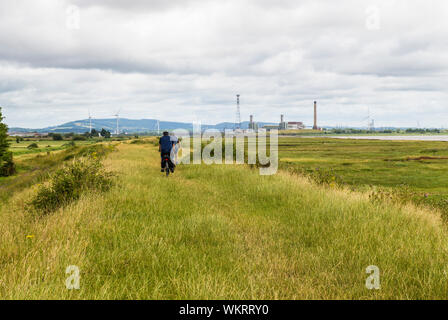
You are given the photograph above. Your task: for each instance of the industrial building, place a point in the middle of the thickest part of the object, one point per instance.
(295, 125)
(253, 125)
(283, 125)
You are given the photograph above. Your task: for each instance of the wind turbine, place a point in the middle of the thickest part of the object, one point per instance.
(117, 115)
(90, 124)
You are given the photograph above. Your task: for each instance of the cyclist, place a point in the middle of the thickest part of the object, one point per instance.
(165, 147)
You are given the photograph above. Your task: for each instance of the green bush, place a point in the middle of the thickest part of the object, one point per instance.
(7, 166)
(33, 146)
(70, 144)
(57, 137)
(105, 134)
(79, 138)
(69, 183)
(69, 135)
(320, 176)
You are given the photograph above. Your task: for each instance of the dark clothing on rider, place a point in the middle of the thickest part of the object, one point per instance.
(165, 144)
(165, 150)
(166, 157)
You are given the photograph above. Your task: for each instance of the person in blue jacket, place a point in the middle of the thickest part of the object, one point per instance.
(165, 146)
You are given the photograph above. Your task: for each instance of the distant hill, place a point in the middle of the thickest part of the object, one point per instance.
(128, 126)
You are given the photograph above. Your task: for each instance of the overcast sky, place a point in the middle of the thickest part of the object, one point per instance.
(185, 60)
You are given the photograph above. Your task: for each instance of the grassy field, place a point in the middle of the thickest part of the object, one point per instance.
(420, 166)
(33, 168)
(35, 164)
(21, 148)
(355, 132)
(215, 232)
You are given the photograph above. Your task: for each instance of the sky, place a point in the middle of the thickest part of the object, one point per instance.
(185, 60)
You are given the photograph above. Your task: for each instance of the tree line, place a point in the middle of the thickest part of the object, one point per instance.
(72, 136)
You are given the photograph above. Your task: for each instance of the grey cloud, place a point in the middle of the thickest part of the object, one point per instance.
(150, 56)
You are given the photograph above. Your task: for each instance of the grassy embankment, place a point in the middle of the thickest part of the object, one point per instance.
(219, 232)
(34, 167)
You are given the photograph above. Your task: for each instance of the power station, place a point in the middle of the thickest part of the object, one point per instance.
(253, 126)
(283, 125)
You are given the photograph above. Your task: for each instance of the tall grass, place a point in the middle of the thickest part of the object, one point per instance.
(69, 183)
(37, 168)
(215, 232)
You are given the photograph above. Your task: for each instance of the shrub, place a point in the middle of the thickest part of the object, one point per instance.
(70, 144)
(323, 177)
(69, 183)
(140, 141)
(33, 146)
(96, 151)
(57, 137)
(79, 138)
(69, 135)
(105, 134)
